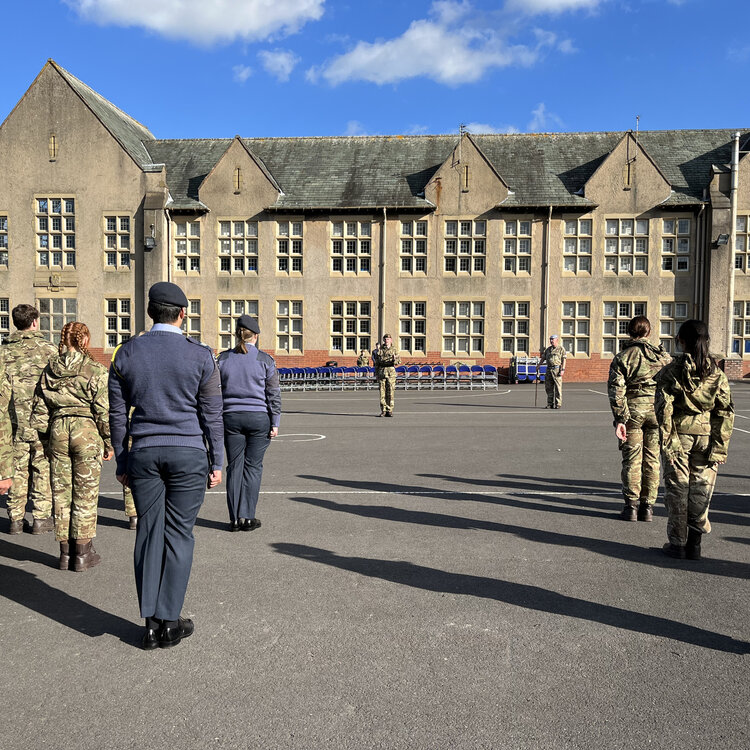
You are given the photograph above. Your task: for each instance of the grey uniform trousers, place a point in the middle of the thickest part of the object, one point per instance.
(245, 441)
(168, 484)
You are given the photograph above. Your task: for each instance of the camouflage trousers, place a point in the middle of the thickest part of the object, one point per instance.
(689, 482)
(127, 497)
(640, 458)
(30, 480)
(553, 387)
(387, 382)
(76, 466)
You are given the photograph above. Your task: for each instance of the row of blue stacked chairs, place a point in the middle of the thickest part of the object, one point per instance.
(419, 377)
(527, 370)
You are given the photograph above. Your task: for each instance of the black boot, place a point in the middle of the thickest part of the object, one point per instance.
(645, 512)
(629, 513)
(693, 546)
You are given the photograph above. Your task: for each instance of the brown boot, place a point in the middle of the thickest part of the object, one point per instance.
(16, 527)
(42, 526)
(629, 513)
(64, 556)
(645, 512)
(133, 523)
(86, 556)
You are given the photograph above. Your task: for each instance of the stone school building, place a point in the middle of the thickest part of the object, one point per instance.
(471, 248)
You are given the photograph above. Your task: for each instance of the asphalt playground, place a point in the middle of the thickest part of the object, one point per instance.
(454, 577)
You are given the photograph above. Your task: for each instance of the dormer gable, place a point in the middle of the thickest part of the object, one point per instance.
(628, 180)
(467, 183)
(239, 182)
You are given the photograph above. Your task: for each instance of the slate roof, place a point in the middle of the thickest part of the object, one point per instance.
(366, 172)
(129, 133)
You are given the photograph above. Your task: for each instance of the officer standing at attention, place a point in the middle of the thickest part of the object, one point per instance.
(172, 383)
(252, 414)
(631, 387)
(26, 353)
(385, 358)
(554, 357)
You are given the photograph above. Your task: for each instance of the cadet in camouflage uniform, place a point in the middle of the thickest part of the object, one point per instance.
(631, 390)
(385, 358)
(72, 405)
(6, 432)
(695, 413)
(26, 354)
(554, 357)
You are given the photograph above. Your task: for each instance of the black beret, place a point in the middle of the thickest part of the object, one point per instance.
(246, 321)
(166, 293)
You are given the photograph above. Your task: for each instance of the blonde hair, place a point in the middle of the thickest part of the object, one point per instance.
(73, 336)
(243, 335)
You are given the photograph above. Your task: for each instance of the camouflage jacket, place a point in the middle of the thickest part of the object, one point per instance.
(72, 385)
(386, 357)
(631, 377)
(686, 405)
(6, 428)
(26, 354)
(554, 357)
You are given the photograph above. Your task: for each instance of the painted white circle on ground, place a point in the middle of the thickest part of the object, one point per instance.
(298, 437)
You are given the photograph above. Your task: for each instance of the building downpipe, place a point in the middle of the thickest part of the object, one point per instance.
(545, 283)
(381, 275)
(732, 241)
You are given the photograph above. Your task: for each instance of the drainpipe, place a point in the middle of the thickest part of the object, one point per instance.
(700, 264)
(545, 285)
(381, 280)
(732, 240)
(169, 244)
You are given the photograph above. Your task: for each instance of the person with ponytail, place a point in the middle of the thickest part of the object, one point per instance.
(252, 413)
(71, 409)
(695, 413)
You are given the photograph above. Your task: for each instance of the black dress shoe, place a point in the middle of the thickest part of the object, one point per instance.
(250, 524)
(234, 526)
(150, 639)
(172, 636)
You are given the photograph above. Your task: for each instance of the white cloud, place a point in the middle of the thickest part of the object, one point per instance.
(204, 21)
(455, 44)
(451, 47)
(533, 7)
(543, 121)
(354, 127)
(481, 128)
(241, 73)
(567, 47)
(279, 63)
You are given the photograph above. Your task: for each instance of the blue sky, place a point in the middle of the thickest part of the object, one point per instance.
(216, 68)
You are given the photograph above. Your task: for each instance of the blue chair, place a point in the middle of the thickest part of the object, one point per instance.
(401, 376)
(349, 378)
(324, 377)
(521, 372)
(411, 377)
(362, 376)
(477, 377)
(451, 375)
(438, 376)
(490, 375)
(337, 378)
(542, 373)
(464, 376)
(425, 377)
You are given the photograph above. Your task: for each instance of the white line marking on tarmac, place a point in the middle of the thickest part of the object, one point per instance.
(374, 395)
(302, 437)
(740, 416)
(739, 429)
(429, 491)
(591, 390)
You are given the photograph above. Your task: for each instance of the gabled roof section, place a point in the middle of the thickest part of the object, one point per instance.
(484, 156)
(630, 135)
(129, 133)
